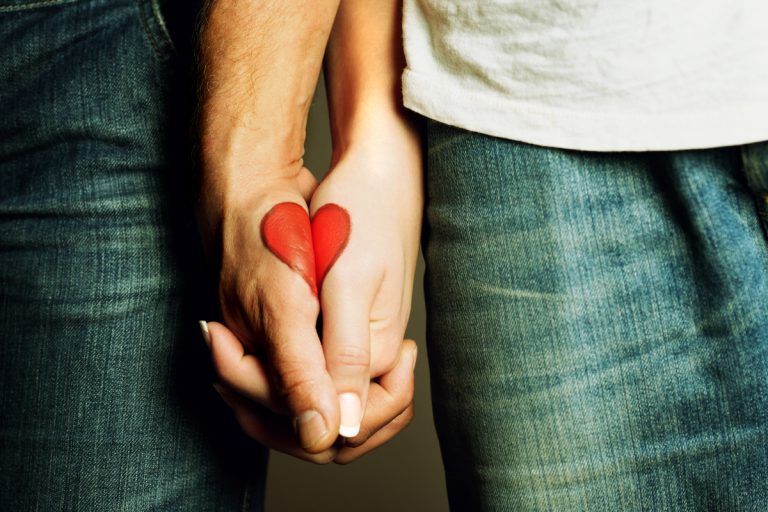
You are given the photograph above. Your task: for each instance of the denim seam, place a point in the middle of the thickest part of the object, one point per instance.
(757, 179)
(161, 23)
(247, 496)
(753, 165)
(32, 5)
(151, 35)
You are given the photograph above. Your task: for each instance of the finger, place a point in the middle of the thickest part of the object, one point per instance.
(390, 397)
(388, 328)
(386, 345)
(297, 364)
(349, 454)
(307, 183)
(244, 373)
(269, 429)
(347, 348)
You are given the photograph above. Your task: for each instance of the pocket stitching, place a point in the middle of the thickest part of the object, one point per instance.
(33, 4)
(160, 19)
(159, 42)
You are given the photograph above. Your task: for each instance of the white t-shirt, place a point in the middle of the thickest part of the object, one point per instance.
(603, 75)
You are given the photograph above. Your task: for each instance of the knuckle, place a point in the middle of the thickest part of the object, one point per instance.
(351, 356)
(295, 382)
(388, 357)
(359, 439)
(403, 396)
(407, 416)
(404, 418)
(321, 459)
(222, 367)
(401, 421)
(407, 397)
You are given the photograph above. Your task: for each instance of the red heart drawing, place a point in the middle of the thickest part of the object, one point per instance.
(286, 231)
(310, 249)
(330, 234)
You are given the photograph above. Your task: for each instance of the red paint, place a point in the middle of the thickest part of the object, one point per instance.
(309, 248)
(286, 231)
(330, 234)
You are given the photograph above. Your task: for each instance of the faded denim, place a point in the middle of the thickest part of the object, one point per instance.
(105, 397)
(598, 327)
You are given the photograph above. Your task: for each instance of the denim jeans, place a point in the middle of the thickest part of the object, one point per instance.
(598, 325)
(105, 397)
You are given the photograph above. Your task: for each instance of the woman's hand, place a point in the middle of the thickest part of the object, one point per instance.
(366, 295)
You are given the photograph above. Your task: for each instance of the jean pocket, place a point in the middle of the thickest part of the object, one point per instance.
(22, 5)
(755, 158)
(442, 136)
(153, 20)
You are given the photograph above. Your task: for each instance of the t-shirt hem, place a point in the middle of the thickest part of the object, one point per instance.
(496, 115)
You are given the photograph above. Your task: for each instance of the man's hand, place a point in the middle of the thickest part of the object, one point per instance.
(259, 63)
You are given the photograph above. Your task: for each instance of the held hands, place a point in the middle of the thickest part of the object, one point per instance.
(276, 372)
(354, 262)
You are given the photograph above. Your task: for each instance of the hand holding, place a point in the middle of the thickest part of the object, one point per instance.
(365, 273)
(271, 311)
(247, 388)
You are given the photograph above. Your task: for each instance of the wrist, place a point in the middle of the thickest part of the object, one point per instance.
(377, 128)
(232, 141)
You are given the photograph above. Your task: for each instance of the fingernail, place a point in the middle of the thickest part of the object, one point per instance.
(206, 333)
(311, 428)
(415, 352)
(351, 414)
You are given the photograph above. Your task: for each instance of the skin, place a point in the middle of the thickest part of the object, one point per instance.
(257, 86)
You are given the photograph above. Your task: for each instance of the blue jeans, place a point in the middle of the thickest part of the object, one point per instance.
(105, 397)
(598, 325)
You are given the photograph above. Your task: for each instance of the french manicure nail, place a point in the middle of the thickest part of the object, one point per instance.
(206, 333)
(311, 428)
(351, 413)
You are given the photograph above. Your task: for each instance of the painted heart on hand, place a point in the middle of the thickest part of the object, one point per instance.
(308, 248)
(330, 234)
(286, 231)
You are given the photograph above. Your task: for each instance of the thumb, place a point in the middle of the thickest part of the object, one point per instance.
(298, 367)
(347, 348)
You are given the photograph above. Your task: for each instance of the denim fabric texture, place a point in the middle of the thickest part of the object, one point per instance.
(105, 393)
(597, 325)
